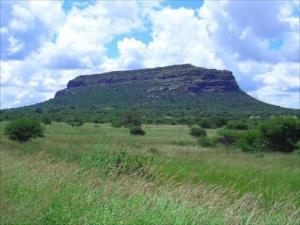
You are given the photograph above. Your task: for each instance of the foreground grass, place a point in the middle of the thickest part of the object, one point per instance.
(43, 182)
(36, 190)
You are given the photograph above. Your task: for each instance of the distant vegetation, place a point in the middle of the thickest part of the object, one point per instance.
(275, 134)
(76, 122)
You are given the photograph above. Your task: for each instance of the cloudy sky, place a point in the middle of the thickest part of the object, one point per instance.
(45, 44)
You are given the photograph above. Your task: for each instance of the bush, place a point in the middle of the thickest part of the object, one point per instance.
(197, 132)
(46, 120)
(116, 123)
(23, 130)
(237, 125)
(136, 130)
(297, 147)
(98, 120)
(250, 141)
(131, 119)
(206, 142)
(227, 137)
(220, 122)
(121, 162)
(280, 133)
(205, 123)
(75, 122)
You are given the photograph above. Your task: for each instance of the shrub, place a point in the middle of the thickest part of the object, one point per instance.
(46, 120)
(227, 137)
(136, 130)
(205, 123)
(280, 133)
(131, 119)
(98, 120)
(121, 162)
(250, 141)
(297, 147)
(197, 132)
(23, 130)
(237, 125)
(116, 123)
(75, 122)
(220, 122)
(206, 142)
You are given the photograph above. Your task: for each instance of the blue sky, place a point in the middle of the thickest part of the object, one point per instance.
(44, 44)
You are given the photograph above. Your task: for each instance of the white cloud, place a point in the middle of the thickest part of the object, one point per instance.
(221, 34)
(14, 45)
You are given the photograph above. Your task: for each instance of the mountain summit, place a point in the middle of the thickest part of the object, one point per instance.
(185, 78)
(162, 94)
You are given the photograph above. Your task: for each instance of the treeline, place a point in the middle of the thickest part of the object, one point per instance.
(252, 134)
(151, 115)
(280, 133)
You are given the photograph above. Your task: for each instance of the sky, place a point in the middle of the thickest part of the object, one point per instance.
(44, 44)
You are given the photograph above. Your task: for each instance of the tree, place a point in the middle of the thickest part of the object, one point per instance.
(23, 130)
(237, 125)
(280, 133)
(46, 120)
(75, 122)
(131, 119)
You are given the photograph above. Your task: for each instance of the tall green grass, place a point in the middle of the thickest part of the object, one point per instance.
(58, 180)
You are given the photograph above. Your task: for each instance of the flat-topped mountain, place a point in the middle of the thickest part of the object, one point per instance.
(162, 94)
(185, 78)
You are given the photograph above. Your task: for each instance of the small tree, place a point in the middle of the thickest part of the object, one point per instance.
(136, 130)
(46, 120)
(132, 119)
(197, 132)
(23, 130)
(227, 137)
(205, 123)
(237, 125)
(221, 121)
(280, 133)
(75, 122)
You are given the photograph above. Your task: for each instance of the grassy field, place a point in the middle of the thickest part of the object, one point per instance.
(58, 180)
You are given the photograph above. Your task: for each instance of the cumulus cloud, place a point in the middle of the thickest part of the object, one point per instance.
(260, 46)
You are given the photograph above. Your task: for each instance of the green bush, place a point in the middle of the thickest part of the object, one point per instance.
(23, 130)
(237, 125)
(136, 130)
(280, 133)
(227, 137)
(297, 147)
(220, 122)
(205, 123)
(46, 120)
(116, 123)
(198, 132)
(75, 122)
(250, 141)
(121, 162)
(206, 142)
(131, 119)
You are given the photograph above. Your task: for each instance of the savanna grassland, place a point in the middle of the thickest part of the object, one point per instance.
(96, 174)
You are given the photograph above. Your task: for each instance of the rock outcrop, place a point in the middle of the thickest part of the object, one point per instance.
(185, 78)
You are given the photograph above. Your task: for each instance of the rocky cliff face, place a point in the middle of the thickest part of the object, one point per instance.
(184, 78)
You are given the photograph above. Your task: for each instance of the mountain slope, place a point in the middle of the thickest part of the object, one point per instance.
(162, 94)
